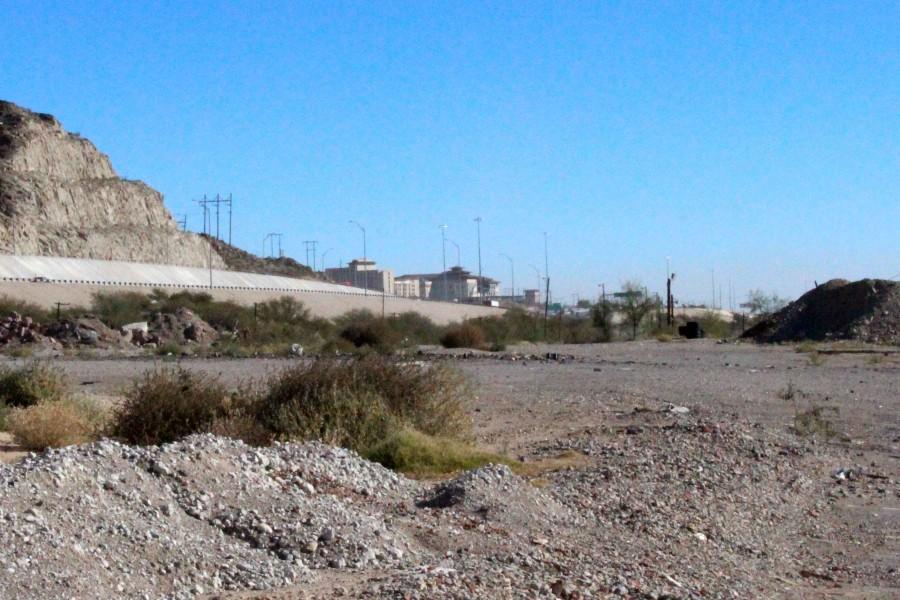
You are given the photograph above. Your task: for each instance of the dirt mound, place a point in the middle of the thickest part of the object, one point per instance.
(181, 327)
(867, 310)
(86, 330)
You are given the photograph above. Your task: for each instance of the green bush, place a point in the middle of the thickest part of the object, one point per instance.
(364, 330)
(168, 404)
(116, 309)
(463, 335)
(321, 400)
(420, 455)
(32, 384)
(26, 309)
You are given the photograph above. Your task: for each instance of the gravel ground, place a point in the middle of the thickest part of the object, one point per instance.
(689, 483)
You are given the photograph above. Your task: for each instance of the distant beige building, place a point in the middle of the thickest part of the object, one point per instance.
(363, 274)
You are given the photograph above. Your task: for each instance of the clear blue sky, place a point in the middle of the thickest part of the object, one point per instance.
(758, 139)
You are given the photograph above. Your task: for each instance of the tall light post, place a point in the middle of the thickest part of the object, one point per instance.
(458, 260)
(480, 278)
(324, 254)
(512, 273)
(547, 267)
(445, 295)
(365, 258)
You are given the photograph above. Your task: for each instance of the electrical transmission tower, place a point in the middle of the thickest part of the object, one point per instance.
(311, 245)
(218, 201)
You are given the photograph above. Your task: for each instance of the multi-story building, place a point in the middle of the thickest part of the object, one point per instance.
(363, 274)
(454, 285)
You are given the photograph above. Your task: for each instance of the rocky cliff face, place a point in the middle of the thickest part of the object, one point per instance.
(59, 196)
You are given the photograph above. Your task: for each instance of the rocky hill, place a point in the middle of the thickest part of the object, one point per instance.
(241, 260)
(867, 310)
(59, 196)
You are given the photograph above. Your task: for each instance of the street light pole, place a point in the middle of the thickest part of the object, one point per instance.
(512, 273)
(445, 295)
(365, 258)
(547, 268)
(480, 282)
(324, 254)
(459, 275)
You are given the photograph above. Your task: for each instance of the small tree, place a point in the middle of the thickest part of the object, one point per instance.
(760, 304)
(635, 305)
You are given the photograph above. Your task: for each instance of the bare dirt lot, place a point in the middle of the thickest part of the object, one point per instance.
(662, 470)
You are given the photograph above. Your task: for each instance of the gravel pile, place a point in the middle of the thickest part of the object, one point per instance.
(671, 507)
(867, 310)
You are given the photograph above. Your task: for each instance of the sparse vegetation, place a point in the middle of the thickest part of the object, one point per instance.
(816, 359)
(789, 392)
(813, 423)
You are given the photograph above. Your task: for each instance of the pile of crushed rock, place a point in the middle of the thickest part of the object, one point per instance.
(867, 310)
(686, 510)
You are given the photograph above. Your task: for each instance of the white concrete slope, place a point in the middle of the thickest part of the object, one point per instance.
(48, 280)
(120, 273)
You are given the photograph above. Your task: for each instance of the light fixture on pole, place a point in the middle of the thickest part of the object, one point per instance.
(480, 278)
(445, 295)
(365, 258)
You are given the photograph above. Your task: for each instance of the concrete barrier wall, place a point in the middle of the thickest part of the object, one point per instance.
(48, 280)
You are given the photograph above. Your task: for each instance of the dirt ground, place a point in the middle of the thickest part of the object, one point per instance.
(597, 398)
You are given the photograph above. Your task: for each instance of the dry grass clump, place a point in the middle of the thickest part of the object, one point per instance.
(814, 423)
(420, 455)
(56, 424)
(168, 404)
(464, 335)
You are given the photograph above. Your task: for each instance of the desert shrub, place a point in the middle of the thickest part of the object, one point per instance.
(286, 321)
(360, 401)
(715, 326)
(663, 338)
(421, 455)
(56, 424)
(805, 347)
(413, 328)
(31, 384)
(363, 329)
(516, 325)
(116, 309)
(10, 305)
(463, 335)
(218, 313)
(168, 404)
(580, 331)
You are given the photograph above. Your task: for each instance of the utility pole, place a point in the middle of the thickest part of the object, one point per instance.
(365, 258)
(713, 275)
(311, 244)
(446, 294)
(59, 306)
(480, 277)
